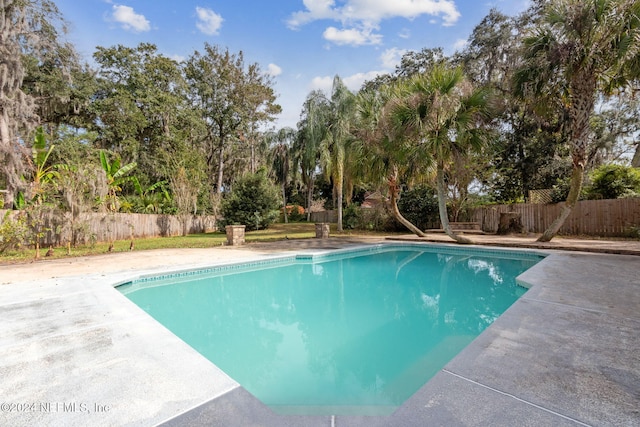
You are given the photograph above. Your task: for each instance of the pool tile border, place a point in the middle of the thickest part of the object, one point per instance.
(322, 256)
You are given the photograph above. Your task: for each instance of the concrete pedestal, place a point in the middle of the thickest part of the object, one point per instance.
(322, 230)
(235, 234)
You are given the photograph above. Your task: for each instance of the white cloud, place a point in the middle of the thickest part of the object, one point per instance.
(353, 82)
(274, 70)
(129, 19)
(391, 57)
(405, 33)
(351, 37)
(209, 22)
(460, 44)
(316, 9)
(322, 83)
(370, 13)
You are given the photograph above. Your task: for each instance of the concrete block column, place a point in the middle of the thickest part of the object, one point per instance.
(322, 230)
(235, 234)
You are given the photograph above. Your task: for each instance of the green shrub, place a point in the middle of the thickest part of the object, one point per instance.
(297, 214)
(633, 232)
(613, 182)
(253, 202)
(420, 206)
(352, 217)
(560, 191)
(14, 232)
(379, 219)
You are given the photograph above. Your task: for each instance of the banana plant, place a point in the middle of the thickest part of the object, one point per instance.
(150, 200)
(43, 173)
(116, 176)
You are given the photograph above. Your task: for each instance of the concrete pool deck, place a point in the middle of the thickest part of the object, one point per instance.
(74, 351)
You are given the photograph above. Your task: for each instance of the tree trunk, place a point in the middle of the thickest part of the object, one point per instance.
(393, 202)
(253, 157)
(584, 88)
(572, 199)
(7, 156)
(442, 209)
(635, 162)
(309, 197)
(220, 170)
(339, 203)
(340, 183)
(284, 204)
(510, 223)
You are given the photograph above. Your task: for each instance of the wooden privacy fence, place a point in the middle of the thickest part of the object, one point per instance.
(605, 218)
(102, 227)
(324, 216)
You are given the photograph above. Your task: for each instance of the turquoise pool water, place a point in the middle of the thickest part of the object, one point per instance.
(347, 333)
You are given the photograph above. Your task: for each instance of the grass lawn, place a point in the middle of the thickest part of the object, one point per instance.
(275, 232)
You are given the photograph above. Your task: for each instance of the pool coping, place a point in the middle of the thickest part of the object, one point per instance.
(509, 374)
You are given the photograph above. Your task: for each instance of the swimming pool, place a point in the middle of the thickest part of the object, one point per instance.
(346, 332)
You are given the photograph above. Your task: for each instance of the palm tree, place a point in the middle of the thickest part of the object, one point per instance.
(442, 114)
(306, 148)
(281, 143)
(578, 49)
(385, 156)
(330, 122)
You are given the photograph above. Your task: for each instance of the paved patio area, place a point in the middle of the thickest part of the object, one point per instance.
(74, 351)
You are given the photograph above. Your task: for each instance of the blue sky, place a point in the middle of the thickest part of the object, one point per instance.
(302, 43)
